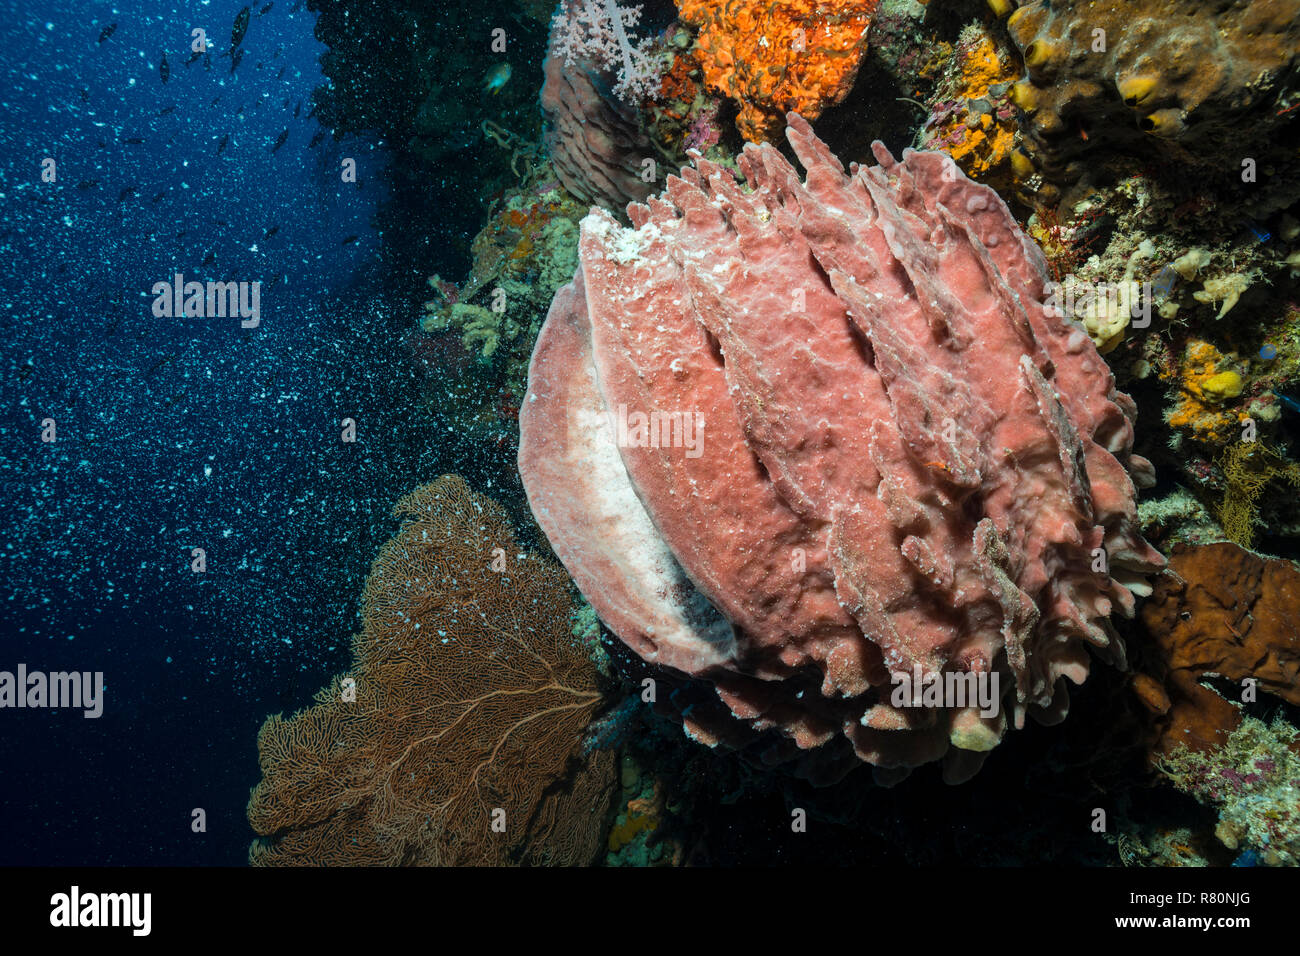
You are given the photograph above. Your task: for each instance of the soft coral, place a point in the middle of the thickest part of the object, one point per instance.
(597, 30)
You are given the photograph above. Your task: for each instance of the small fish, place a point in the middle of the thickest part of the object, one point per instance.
(297, 109)
(239, 29)
(222, 145)
(166, 110)
(281, 73)
(210, 258)
(158, 198)
(266, 9)
(279, 140)
(107, 32)
(497, 77)
(134, 140)
(349, 240)
(125, 193)
(193, 56)
(271, 232)
(160, 363)
(88, 184)
(27, 370)
(316, 140)
(1288, 401)
(164, 69)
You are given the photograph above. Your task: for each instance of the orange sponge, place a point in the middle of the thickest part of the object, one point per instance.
(774, 57)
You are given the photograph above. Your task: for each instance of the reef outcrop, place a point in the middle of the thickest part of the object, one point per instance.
(1222, 612)
(1174, 81)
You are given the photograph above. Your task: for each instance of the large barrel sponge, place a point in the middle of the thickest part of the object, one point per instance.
(595, 140)
(874, 449)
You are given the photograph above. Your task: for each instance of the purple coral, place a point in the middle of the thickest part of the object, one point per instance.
(704, 131)
(597, 30)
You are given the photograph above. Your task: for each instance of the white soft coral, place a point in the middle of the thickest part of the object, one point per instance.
(597, 30)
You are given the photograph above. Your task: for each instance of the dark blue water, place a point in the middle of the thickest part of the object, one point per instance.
(181, 433)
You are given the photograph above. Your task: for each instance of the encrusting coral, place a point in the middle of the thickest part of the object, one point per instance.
(1254, 782)
(1174, 80)
(972, 118)
(448, 740)
(527, 250)
(796, 437)
(1204, 387)
(1219, 611)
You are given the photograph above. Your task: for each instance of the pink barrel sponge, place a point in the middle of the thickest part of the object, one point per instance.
(798, 438)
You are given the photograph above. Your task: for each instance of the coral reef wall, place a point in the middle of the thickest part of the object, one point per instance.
(455, 739)
(596, 144)
(1179, 81)
(415, 74)
(796, 435)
